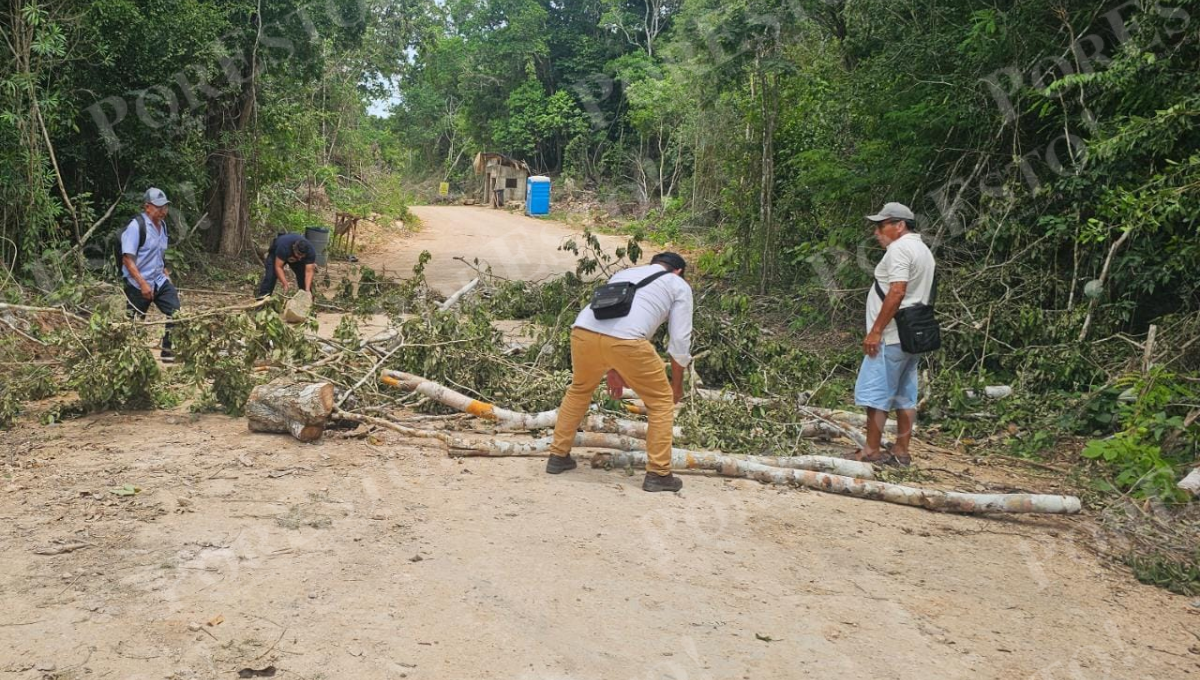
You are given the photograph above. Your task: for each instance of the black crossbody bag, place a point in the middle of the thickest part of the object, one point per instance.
(918, 326)
(614, 300)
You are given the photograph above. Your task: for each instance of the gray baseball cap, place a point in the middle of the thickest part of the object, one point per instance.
(156, 197)
(893, 211)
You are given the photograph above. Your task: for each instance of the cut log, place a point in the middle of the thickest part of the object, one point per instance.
(300, 409)
(930, 499)
(1191, 483)
(298, 308)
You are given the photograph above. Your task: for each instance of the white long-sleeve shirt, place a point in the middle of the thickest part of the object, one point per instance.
(667, 298)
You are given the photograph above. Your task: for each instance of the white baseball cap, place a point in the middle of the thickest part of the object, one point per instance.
(893, 211)
(156, 197)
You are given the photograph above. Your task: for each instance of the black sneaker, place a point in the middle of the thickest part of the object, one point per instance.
(667, 482)
(167, 356)
(559, 464)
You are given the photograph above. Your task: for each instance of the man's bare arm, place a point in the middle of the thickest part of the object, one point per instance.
(279, 274)
(891, 304)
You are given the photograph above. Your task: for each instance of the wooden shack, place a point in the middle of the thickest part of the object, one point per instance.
(500, 172)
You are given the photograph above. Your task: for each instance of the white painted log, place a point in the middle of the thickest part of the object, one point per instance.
(681, 459)
(458, 295)
(593, 423)
(930, 499)
(836, 466)
(1191, 483)
(300, 409)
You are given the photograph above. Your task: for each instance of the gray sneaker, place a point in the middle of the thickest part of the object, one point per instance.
(668, 482)
(559, 464)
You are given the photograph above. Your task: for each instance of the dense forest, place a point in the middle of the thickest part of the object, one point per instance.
(1050, 149)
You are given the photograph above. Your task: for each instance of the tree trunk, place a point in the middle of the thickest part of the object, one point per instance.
(766, 198)
(300, 409)
(930, 499)
(681, 459)
(229, 197)
(235, 219)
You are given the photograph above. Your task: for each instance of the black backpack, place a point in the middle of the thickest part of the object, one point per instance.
(918, 326)
(614, 300)
(118, 256)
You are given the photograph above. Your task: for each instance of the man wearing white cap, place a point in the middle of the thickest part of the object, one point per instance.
(143, 252)
(887, 380)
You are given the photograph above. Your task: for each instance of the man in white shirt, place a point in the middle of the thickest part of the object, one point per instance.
(888, 378)
(621, 349)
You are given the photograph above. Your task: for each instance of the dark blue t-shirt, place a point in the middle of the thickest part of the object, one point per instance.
(284, 244)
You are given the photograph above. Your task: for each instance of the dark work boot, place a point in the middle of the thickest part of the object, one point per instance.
(668, 482)
(559, 464)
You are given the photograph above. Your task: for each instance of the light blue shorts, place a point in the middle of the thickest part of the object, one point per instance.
(888, 381)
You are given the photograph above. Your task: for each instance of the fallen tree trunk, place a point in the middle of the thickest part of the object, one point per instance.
(681, 459)
(593, 423)
(300, 409)
(461, 402)
(930, 499)
(506, 419)
(836, 416)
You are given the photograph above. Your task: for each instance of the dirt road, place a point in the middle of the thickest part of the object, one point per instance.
(381, 558)
(516, 246)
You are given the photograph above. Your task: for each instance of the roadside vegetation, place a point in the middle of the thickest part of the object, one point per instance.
(1050, 150)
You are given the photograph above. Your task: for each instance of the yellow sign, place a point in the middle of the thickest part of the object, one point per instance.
(444, 189)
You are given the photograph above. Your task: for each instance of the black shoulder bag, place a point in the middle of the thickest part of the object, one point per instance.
(918, 326)
(614, 300)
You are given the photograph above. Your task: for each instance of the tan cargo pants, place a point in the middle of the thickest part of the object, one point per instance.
(592, 355)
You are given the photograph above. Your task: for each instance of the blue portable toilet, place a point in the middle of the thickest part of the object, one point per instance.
(537, 195)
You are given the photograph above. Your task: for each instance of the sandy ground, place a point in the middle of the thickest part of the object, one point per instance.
(516, 246)
(379, 557)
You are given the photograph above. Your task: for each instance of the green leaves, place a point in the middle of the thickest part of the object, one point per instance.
(1152, 441)
(112, 366)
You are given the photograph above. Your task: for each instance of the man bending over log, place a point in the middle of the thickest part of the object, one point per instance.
(620, 346)
(295, 252)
